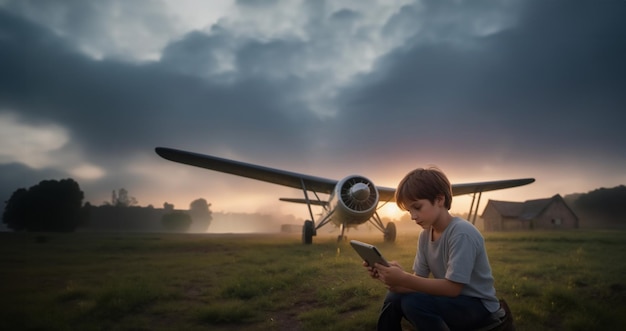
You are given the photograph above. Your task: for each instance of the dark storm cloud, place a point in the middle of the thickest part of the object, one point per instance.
(551, 83)
(116, 29)
(114, 108)
(114, 111)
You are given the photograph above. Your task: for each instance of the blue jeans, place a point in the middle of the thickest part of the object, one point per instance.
(429, 312)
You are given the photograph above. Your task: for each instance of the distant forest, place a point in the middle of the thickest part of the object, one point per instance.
(601, 208)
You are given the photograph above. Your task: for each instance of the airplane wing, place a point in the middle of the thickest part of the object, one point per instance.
(388, 194)
(467, 188)
(317, 184)
(276, 176)
(312, 202)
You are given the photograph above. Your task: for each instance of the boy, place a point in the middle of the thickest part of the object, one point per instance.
(461, 294)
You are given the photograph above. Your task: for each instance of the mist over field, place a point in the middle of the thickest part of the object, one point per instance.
(248, 223)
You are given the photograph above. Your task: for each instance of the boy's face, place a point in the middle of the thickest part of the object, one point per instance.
(425, 213)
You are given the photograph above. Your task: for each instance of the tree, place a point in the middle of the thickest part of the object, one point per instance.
(176, 221)
(15, 209)
(607, 203)
(122, 199)
(201, 216)
(51, 205)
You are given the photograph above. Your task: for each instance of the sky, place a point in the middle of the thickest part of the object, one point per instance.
(484, 90)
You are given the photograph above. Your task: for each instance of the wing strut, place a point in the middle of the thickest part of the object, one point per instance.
(376, 221)
(308, 202)
(473, 213)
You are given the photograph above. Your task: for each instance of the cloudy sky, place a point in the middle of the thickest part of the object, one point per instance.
(485, 90)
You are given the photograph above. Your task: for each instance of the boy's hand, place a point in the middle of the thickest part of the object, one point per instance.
(371, 270)
(391, 276)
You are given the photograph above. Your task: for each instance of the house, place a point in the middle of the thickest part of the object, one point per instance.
(540, 214)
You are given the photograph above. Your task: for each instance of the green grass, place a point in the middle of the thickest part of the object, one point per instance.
(552, 281)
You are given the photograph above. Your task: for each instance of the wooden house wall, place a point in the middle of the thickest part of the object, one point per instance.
(492, 219)
(515, 224)
(556, 216)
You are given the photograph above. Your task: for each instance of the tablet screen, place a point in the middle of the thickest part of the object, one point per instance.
(369, 253)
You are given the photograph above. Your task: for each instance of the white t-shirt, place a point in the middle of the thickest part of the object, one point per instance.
(458, 255)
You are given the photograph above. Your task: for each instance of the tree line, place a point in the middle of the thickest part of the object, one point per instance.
(57, 206)
(603, 204)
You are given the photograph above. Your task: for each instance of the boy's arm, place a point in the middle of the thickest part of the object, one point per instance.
(399, 281)
(400, 289)
(432, 286)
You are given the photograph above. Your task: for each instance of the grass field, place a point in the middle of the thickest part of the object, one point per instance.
(552, 281)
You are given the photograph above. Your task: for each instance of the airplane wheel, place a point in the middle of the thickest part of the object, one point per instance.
(307, 232)
(390, 232)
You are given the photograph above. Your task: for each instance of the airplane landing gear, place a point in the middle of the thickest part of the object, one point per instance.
(342, 230)
(308, 231)
(341, 237)
(390, 232)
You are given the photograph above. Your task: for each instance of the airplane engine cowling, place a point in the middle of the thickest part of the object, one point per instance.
(355, 199)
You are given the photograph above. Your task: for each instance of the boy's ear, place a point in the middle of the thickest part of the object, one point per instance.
(440, 200)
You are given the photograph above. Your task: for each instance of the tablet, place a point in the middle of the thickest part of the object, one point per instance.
(369, 253)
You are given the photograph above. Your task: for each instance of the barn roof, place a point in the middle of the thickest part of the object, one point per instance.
(526, 210)
(532, 208)
(508, 208)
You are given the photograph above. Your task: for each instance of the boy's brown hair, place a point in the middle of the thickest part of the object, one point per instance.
(423, 184)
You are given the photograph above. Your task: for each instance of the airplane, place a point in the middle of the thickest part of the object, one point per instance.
(352, 200)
